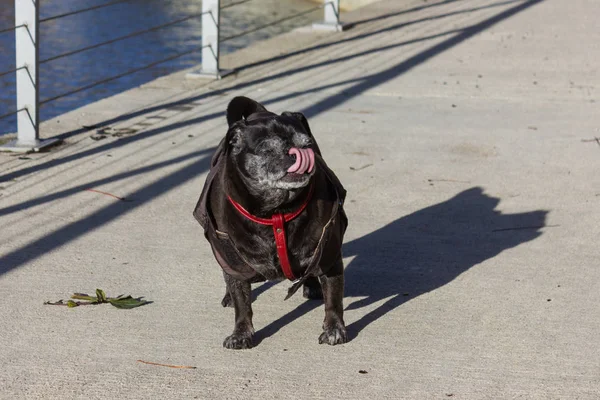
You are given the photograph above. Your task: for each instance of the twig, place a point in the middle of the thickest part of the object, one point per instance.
(518, 228)
(360, 168)
(167, 365)
(595, 139)
(56, 303)
(122, 302)
(108, 194)
(447, 180)
(69, 303)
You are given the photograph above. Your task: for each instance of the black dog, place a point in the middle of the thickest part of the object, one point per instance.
(272, 209)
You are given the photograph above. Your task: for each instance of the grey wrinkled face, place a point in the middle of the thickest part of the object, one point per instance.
(261, 152)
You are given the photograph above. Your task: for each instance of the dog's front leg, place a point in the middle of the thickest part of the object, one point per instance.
(332, 283)
(241, 338)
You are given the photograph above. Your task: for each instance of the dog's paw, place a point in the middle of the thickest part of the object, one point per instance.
(227, 302)
(334, 335)
(238, 341)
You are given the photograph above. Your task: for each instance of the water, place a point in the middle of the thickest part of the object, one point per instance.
(89, 28)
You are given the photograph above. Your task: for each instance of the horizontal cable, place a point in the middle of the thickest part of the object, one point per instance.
(112, 78)
(110, 3)
(274, 22)
(11, 71)
(235, 3)
(12, 113)
(12, 28)
(155, 28)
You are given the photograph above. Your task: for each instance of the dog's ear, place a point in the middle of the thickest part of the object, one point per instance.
(241, 107)
(300, 117)
(233, 138)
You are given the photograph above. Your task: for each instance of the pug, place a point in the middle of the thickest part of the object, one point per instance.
(271, 209)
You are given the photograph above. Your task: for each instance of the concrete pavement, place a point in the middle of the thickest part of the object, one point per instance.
(464, 132)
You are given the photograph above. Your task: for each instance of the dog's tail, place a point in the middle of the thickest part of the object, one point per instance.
(241, 107)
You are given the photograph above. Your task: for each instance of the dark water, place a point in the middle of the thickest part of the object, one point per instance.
(89, 28)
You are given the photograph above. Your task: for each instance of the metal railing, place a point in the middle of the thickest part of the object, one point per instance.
(26, 28)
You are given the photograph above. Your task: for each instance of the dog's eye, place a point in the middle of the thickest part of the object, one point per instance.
(261, 147)
(302, 140)
(271, 144)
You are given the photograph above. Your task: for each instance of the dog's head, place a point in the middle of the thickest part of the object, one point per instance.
(270, 151)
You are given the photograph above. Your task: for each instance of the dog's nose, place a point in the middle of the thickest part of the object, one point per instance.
(305, 160)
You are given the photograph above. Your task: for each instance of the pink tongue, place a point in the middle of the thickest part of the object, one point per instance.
(295, 152)
(305, 160)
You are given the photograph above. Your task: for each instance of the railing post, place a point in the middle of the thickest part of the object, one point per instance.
(27, 50)
(211, 21)
(331, 21)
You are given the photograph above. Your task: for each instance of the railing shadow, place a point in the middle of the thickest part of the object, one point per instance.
(421, 252)
(401, 68)
(70, 232)
(361, 84)
(99, 182)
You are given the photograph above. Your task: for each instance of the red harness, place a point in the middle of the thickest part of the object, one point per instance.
(278, 222)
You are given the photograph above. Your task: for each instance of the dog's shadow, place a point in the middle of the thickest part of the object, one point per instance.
(420, 252)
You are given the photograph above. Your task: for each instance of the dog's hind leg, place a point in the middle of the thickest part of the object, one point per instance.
(239, 292)
(332, 283)
(226, 302)
(312, 289)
